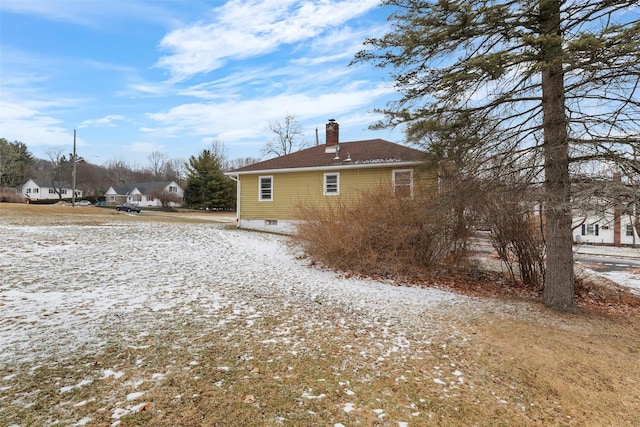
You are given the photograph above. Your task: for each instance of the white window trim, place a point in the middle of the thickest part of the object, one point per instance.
(393, 179)
(260, 178)
(324, 186)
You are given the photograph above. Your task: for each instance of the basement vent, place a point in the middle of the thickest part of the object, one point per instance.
(270, 222)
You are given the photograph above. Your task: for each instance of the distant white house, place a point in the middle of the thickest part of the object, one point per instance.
(613, 226)
(40, 189)
(146, 194)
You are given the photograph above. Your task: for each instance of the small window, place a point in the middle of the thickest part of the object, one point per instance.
(331, 184)
(52, 191)
(403, 183)
(29, 190)
(588, 229)
(265, 188)
(270, 222)
(629, 230)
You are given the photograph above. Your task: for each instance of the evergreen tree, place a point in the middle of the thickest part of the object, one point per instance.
(15, 163)
(207, 186)
(559, 80)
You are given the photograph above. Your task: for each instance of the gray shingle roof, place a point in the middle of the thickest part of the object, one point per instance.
(43, 183)
(143, 187)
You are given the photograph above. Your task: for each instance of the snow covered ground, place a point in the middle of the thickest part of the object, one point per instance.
(68, 288)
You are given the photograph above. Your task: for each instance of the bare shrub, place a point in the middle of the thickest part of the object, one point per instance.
(378, 233)
(9, 195)
(516, 235)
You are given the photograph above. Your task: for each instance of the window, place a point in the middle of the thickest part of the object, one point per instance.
(136, 198)
(629, 230)
(270, 222)
(29, 191)
(331, 184)
(64, 191)
(36, 190)
(52, 191)
(173, 189)
(590, 229)
(265, 190)
(403, 182)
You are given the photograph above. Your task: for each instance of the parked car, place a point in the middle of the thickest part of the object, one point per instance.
(128, 207)
(83, 203)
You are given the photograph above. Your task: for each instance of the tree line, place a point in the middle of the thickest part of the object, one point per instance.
(202, 176)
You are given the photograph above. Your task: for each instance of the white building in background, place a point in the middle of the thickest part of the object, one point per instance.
(146, 194)
(614, 226)
(39, 189)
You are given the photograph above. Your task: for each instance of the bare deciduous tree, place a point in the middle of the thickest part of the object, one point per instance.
(285, 140)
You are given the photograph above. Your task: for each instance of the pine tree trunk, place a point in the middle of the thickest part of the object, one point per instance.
(559, 280)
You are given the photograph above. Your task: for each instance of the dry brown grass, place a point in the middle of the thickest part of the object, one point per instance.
(533, 367)
(566, 370)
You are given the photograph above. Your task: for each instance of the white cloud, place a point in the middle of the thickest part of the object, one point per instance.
(249, 118)
(143, 147)
(25, 122)
(103, 121)
(91, 13)
(251, 28)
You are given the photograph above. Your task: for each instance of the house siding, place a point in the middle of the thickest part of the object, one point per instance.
(602, 229)
(293, 188)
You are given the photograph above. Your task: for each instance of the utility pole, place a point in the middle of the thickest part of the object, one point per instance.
(73, 172)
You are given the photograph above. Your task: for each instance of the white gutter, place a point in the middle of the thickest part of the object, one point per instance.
(325, 168)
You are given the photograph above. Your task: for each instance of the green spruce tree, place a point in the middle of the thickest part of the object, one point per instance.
(207, 186)
(558, 79)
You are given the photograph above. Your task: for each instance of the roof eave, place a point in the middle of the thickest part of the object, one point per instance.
(327, 167)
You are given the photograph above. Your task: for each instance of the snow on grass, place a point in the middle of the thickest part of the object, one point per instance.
(91, 283)
(68, 290)
(625, 278)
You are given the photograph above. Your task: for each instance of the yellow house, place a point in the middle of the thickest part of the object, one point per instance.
(269, 191)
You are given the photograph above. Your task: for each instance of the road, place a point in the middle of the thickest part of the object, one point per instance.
(607, 262)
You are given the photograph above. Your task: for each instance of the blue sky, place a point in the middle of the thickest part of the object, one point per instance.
(136, 76)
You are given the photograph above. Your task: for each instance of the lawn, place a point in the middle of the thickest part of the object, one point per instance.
(111, 319)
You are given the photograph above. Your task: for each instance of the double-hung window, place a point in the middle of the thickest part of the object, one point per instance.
(588, 229)
(265, 188)
(629, 230)
(403, 182)
(331, 184)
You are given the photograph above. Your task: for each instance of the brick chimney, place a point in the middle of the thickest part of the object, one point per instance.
(332, 133)
(617, 211)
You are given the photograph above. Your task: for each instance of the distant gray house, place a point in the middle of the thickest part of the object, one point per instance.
(40, 189)
(146, 194)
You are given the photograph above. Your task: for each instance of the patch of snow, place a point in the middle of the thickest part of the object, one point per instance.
(625, 278)
(306, 395)
(71, 387)
(109, 373)
(136, 395)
